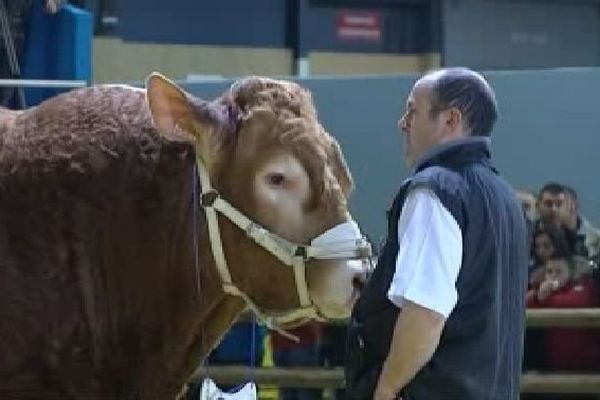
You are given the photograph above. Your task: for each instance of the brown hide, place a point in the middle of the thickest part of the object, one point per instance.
(98, 281)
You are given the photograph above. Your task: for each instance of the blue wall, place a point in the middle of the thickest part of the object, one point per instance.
(549, 129)
(58, 47)
(303, 25)
(259, 23)
(406, 27)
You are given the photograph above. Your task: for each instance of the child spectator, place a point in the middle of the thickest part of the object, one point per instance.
(563, 287)
(547, 242)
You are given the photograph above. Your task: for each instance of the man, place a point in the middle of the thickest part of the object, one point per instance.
(583, 236)
(442, 316)
(529, 203)
(552, 200)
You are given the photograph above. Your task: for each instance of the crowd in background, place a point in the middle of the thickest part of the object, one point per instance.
(563, 273)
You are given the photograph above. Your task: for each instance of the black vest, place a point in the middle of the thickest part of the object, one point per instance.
(480, 351)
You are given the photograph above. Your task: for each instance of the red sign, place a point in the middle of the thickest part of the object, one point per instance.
(359, 26)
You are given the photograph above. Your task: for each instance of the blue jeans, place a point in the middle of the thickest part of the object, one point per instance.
(304, 356)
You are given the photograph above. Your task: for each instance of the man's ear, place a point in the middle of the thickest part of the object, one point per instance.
(453, 118)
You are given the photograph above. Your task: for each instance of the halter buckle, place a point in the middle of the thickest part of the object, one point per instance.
(301, 251)
(364, 249)
(207, 199)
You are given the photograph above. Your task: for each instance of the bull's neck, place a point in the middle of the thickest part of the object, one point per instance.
(214, 315)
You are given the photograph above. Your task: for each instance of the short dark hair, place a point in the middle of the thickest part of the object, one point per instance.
(572, 194)
(553, 188)
(468, 91)
(558, 237)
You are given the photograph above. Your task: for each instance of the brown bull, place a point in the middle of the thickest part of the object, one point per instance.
(108, 286)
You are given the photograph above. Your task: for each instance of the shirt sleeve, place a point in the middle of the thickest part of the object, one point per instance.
(429, 255)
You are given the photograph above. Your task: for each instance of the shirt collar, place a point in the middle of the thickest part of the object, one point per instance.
(437, 150)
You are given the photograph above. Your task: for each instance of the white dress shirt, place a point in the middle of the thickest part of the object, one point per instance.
(429, 255)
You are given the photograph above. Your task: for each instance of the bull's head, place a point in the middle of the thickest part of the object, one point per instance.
(267, 155)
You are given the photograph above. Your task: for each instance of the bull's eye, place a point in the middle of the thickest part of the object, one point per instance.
(276, 179)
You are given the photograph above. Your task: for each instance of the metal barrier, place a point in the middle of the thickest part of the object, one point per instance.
(42, 83)
(334, 377)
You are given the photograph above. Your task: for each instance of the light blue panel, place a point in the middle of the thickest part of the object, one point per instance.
(549, 129)
(361, 114)
(498, 34)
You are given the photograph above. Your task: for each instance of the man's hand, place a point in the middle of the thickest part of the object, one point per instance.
(383, 393)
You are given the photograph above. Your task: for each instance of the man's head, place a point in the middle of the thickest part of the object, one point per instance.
(444, 105)
(550, 242)
(569, 213)
(529, 203)
(551, 203)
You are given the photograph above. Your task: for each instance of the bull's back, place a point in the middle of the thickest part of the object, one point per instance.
(82, 126)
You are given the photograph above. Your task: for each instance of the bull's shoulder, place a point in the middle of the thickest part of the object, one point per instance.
(106, 122)
(93, 111)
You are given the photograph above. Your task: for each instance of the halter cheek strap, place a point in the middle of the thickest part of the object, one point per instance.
(343, 241)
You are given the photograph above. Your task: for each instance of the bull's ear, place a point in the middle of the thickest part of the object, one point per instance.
(176, 112)
(169, 106)
(340, 168)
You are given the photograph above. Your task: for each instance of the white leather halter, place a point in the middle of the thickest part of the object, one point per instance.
(344, 241)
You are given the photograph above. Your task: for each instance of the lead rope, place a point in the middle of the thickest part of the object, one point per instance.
(195, 237)
(195, 226)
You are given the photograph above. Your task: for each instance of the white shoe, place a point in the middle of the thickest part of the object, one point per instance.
(210, 391)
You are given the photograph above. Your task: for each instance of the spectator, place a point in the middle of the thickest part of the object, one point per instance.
(551, 199)
(584, 238)
(547, 243)
(529, 203)
(568, 348)
(306, 353)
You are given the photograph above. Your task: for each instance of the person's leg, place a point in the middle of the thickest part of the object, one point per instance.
(281, 358)
(306, 356)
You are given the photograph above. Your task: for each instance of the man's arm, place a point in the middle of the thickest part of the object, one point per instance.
(416, 336)
(423, 286)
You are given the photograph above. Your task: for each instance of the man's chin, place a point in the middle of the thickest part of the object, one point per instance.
(554, 222)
